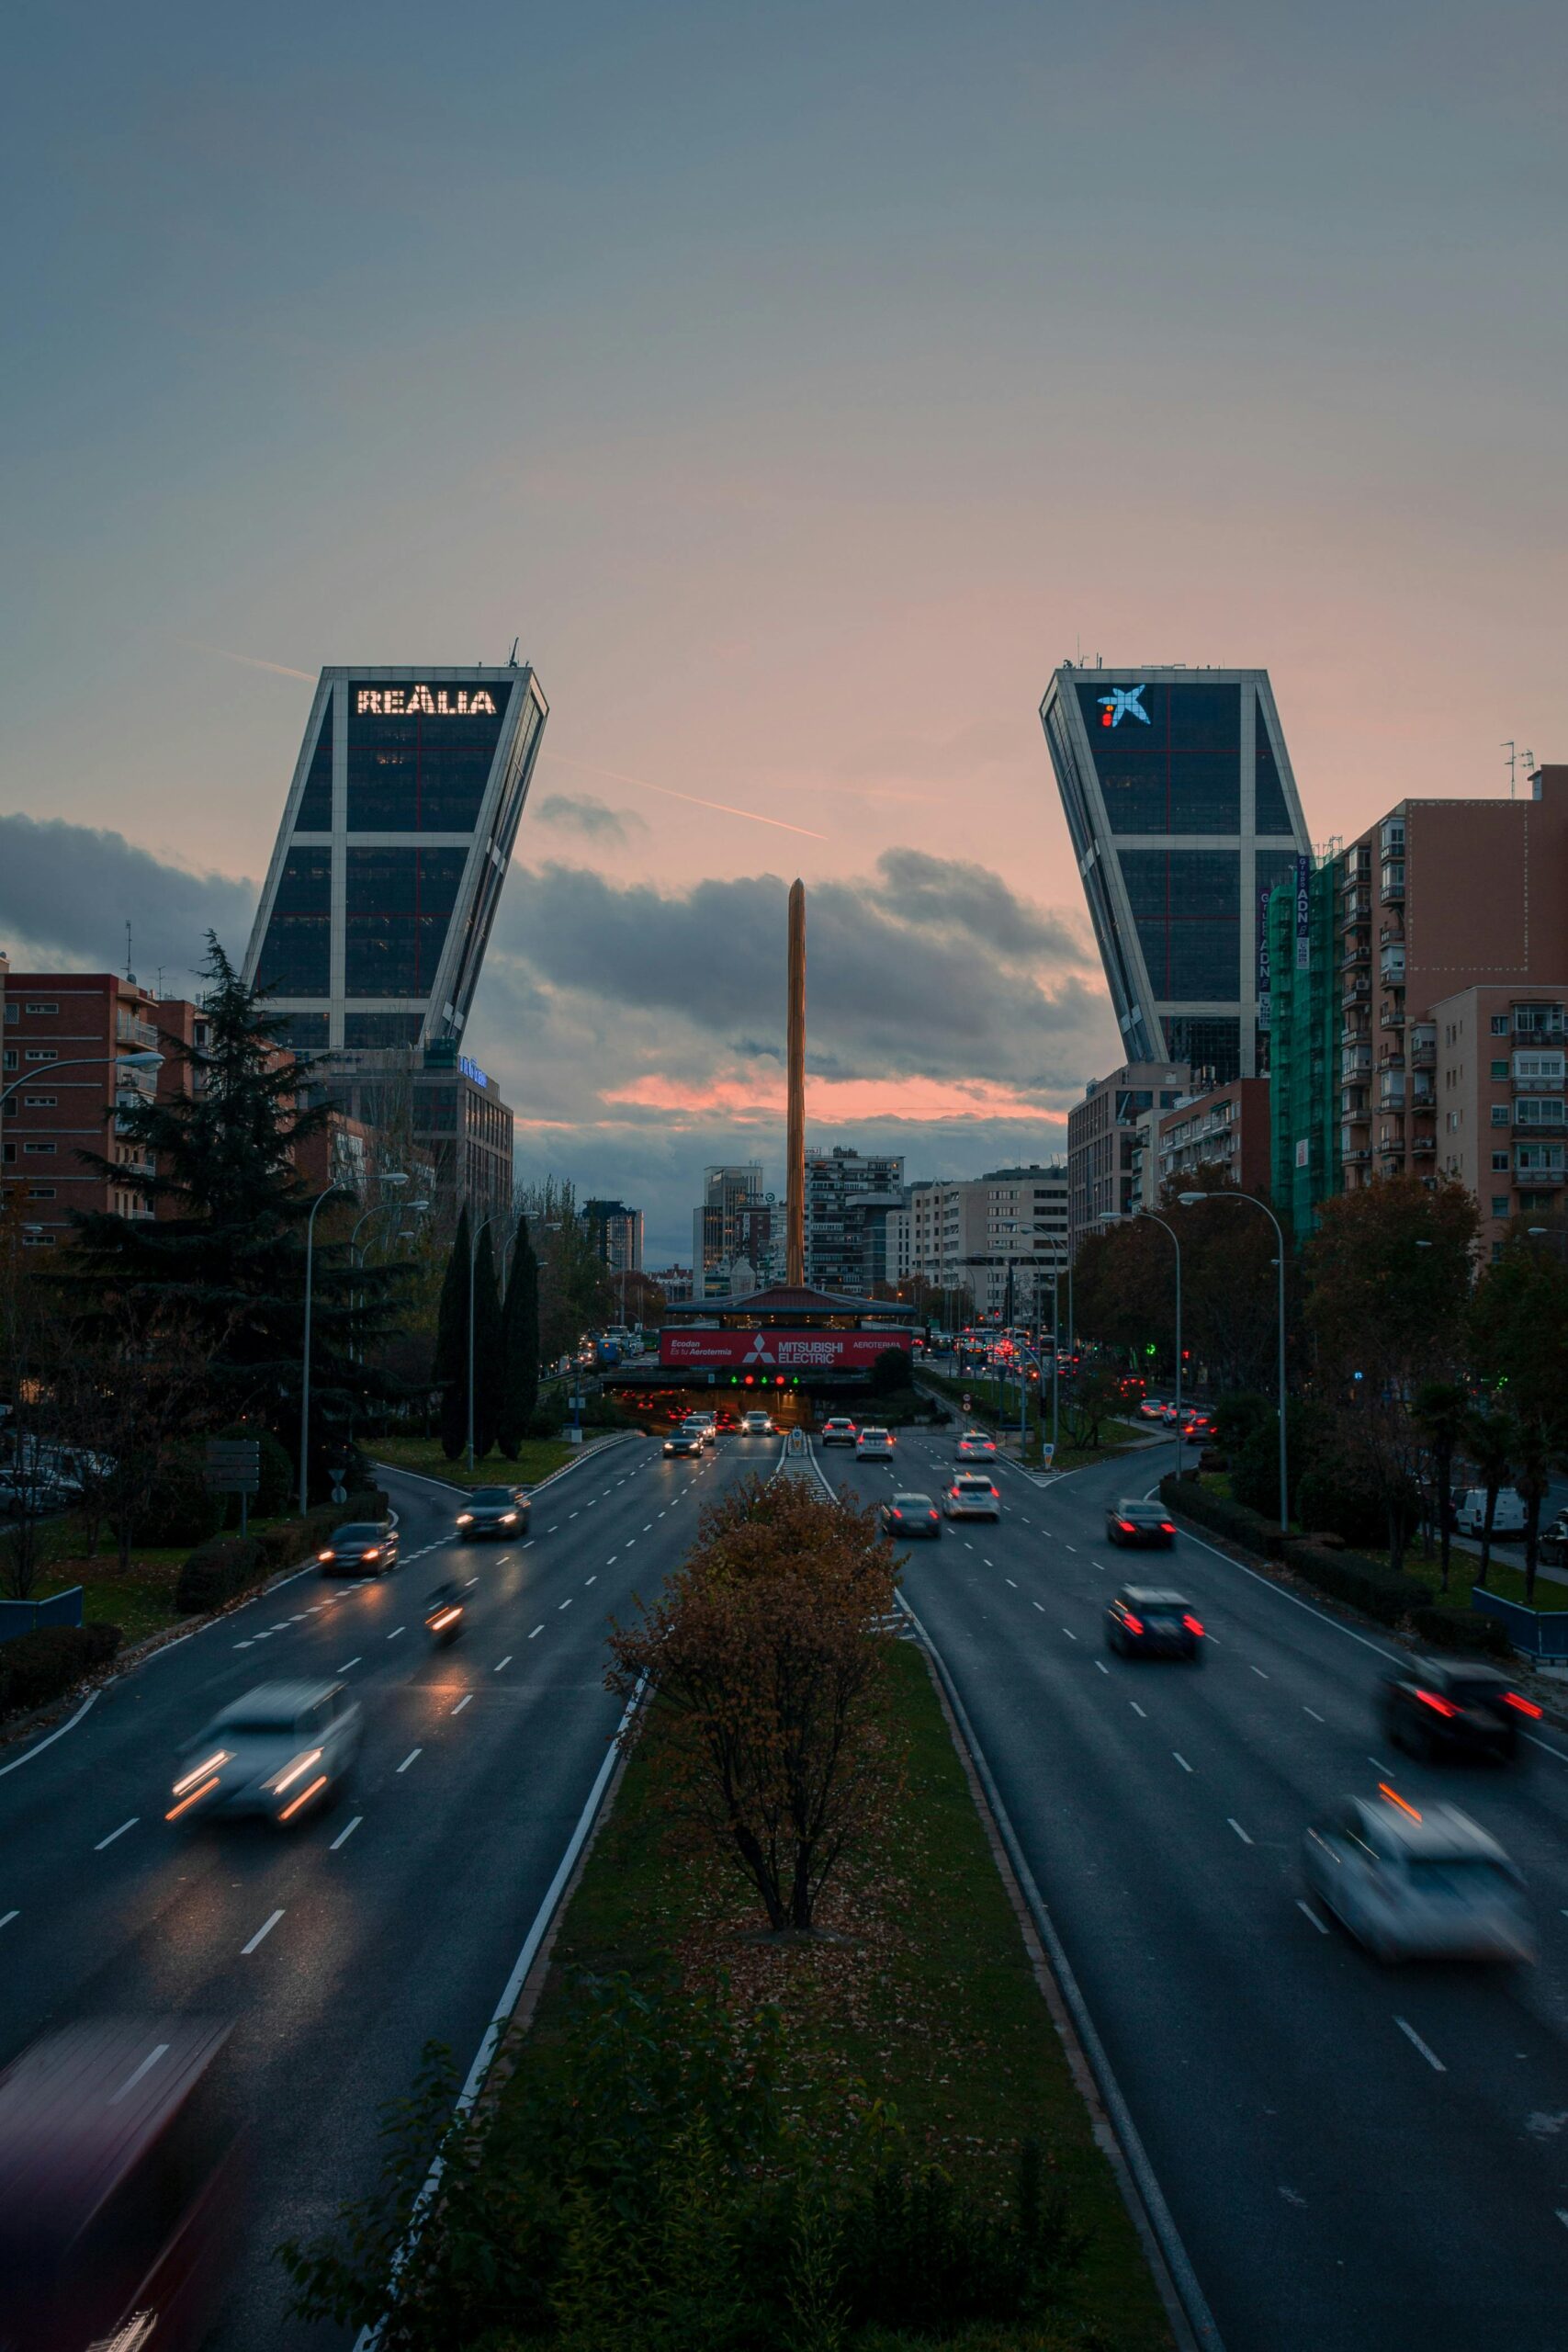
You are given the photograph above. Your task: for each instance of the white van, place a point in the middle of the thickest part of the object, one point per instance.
(1470, 1511)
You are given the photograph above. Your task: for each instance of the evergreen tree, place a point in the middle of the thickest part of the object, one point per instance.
(519, 1345)
(487, 1346)
(221, 1242)
(450, 1372)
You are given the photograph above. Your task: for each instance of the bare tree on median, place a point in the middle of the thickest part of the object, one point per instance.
(768, 1651)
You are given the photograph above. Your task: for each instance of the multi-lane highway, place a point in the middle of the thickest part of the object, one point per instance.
(396, 1916)
(1357, 2159)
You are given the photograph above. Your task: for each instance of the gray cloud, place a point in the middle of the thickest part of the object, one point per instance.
(581, 813)
(66, 892)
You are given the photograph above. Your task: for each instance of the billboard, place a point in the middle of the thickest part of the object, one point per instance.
(776, 1350)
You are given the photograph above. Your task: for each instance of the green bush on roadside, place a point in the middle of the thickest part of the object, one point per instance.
(181, 1508)
(1446, 1629)
(1365, 1584)
(216, 1571)
(42, 1666)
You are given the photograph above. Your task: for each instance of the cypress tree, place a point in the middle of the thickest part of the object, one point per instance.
(487, 1347)
(519, 1347)
(450, 1371)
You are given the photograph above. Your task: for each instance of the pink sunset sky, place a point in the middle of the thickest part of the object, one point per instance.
(800, 386)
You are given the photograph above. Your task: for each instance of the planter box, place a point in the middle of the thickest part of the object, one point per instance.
(27, 1616)
(1539, 1633)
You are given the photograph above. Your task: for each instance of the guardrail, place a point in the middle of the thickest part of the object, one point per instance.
(1539, 1633)
(27, 1616)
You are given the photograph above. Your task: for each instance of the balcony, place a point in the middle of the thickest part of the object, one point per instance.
(1533, 1179)
(1423, 1046)
(1392, 1147)
(1359, 1157)
(1391, 1057)
(1391, 1014)
(1354, 1061)
(139, 1033)
(1390, 934)
(1357, 907)
(1425, 1096)
(1358, 1035)
(1353, 1107)
(1358, 951)
(1391, 890)
(1358, 865)
(1357, 990)
(1390, 1091)
(1391, 968)
(1424, 1147)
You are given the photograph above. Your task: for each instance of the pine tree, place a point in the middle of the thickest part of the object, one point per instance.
(221, 1242)
(519, 1345)
(487, 1346)
(450, 1371)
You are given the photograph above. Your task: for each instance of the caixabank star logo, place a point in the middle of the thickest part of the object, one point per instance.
(1124, 702)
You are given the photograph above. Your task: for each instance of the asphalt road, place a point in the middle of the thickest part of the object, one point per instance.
(396, 1916)
(1359, 2159)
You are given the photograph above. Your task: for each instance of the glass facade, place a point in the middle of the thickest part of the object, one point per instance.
(377, 1031)
(419, 772)
(295, 958)
(1187, 906)
(1272, 816)
(1176, 768)
(316, 805)
(398, 905)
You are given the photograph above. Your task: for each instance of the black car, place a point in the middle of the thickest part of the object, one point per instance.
(907, 1515)
(495, 1511)
(1440, 1708)
(1133, 1523)
(683, 1441)
(1142, 1623)
(364, 1548)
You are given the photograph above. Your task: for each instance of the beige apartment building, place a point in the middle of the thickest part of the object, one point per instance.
(975, 1231)
(1502, 1116)
(1440, 898)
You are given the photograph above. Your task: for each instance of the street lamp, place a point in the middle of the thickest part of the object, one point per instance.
(333, 1191)
(140, 1060)
(1176, 1245)
(1192, 1200)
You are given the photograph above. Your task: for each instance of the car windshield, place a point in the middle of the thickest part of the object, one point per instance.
(974, 1484)
(262, 1722)
(356, 1535)
(492, 1495)
(1141, 1514)
(1466, 1878)
(1476, 1691)
(912, 1502)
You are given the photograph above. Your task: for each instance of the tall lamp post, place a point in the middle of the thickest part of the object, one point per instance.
(1192, 1200)
(1176, 1245)
(334, 1191)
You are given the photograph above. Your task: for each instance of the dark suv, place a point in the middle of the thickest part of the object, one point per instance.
(1437, 1707)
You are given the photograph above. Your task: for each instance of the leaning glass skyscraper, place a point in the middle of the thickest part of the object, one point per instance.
(1183, 816)
(395, 839)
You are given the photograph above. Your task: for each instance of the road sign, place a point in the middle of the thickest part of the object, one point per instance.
(1047, 1455)
(967, 1406)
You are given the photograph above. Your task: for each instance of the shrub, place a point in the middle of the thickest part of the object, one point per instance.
(1444, 1629)
(40, 1666)
(1326, 1504)
(180, 1509)
(1382, 1592)
(1231, 1519)
(217, 1570)
(1238, 1414)
(892, 1372)
(1254, 1464)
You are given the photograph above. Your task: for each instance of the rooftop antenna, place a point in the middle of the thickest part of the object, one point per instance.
(1513, 760)
(511, 663)
(1529, 765)
(128, 973)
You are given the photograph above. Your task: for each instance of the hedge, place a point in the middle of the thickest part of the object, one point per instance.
(216, 1571)
(1442, 1629)
(42, 1666)
(1366, 1584)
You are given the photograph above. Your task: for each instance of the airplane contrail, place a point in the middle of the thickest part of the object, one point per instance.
(725, 806)
(251, 661)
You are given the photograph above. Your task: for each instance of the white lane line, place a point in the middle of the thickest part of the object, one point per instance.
(1429, 2054)
(1379, 1763)
(408, 1759)
(650, 1524)
(1321, 1925)
(1258, 1669)
(550, 1530)
(506, 1556)
(588, 1581)
(159, 2050)
(989, 1562)
(1239, 1830)
(241, 1645)
(345, 1835)
(473, 1580)
(614, 1557)
(462, 1703)
(1072, 1547)
(1181, 1761)
(967, 1545)
(396, 1630)
(1041, 1606)
(352, 1661)
(588, 1505)
(1104, 1667)
(505, 1661)
(573, 1514)
(117, 1833)
(1136, 1709)
(265, 1930)
(1314, 1714)
(1028, 1523)
(630, 1541)
(565, 1604)
(1563, 2215)
(9, 1916)
(538, 1629)
(1005, 1579)
(1069, 1632)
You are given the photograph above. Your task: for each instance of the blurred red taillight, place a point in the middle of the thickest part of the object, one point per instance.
(1134, 1624)
(1166, 1527)
(1439, 1706)
(1525, 1706)
(1192, 1626)
(1126, 1527)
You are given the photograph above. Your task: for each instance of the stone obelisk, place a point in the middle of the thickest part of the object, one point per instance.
(794, 1169)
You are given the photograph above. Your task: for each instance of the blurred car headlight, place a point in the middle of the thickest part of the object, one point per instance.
(292, 1772)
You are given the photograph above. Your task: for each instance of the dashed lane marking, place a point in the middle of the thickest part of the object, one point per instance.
(565, 1604)
(1239, 1830)
(396, 1630)
(505, 1661)
(1425, 2049)
(263, 1932)
(349, 1662)
(1136, 1709)
(1321, 1925)
(345, 1835)
(1258, 1671)
(1314, 1714)
(539, 1629)
(408, 1758)
(9, 1916)
(1181, 1761)
(1069, 1632)
(117, 1833)
(592, 1579)
(1104, 1667)
(462, 1703)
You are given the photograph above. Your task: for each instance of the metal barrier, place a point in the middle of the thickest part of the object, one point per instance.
(27, 1616)
(1539, 1633)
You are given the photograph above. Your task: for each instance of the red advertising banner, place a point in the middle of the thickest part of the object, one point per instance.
(765, 1352)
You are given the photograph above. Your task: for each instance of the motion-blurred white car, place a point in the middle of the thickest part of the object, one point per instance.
(283, 1749)
(873, 1444)
(976, 1446)
(972, 1496)
(1418, 1883)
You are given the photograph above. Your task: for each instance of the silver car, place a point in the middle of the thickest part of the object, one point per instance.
(972, 1496)
(1418, 1883)
(283, 1750)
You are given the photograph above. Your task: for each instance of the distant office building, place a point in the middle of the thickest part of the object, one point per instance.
(435, 1109)
(736, 1230)
(849, 1198)
(1183, 816)
(999, 1236)
(615, 1232)
(1108, 1141)
(675, 1282)
(1305, 1016)
(396, 836)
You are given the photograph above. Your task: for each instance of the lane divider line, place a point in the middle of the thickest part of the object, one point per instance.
(1321, 1925)
(263, 1931)
(345, 1835)
(538, 1629)
(1181, 1761)
(117, 1833)
(9, 1916)
(462, 1703)
(352, 1661)
(505, 1661)
(1428, 2052)
(1239, 1830)
(408, 1758)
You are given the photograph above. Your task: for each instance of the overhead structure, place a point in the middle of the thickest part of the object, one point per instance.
(795, 1173)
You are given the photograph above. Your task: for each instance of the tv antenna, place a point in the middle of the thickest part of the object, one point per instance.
(1513, 762)
(512, 659)
(128, 973)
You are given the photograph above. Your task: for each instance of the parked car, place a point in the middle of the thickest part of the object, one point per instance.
(839, 1430)
(1448, 1707)
(1418, 1882)
(1143, 1623)
(364, 1548)
(1470, 1511)
(493, 1511)
(972, 1496)
(1552, 1548)
(873, 1444)
(907, 1515)
(281, 1750)
(1131, 1522)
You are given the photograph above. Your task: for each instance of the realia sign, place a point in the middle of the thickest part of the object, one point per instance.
(776, 1350)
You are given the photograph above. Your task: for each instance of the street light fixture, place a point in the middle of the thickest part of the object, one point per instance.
(140, 1059)
(1193, 1199)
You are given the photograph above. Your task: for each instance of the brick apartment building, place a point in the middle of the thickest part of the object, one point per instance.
(1107, 1139)
(1224, 1128)
(1499, 1061)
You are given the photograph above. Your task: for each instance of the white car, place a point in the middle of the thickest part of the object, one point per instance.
(1418, 1883)
(976, 1446)
(284, 1749)
(704, 1427)
(758, 1425)
(972, 1496)
(839, 1430)
(1470, 1511)
(873, 1444)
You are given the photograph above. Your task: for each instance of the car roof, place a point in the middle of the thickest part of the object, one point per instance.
(1440, 1670)
(270, 1700)
(972, 1478)
(912, 1497)
(1149, 1596)
(1429, 1831)
(1136, 1503)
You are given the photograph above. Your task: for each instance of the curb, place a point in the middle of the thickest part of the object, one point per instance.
(1191, 2321)
(450, 1487)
